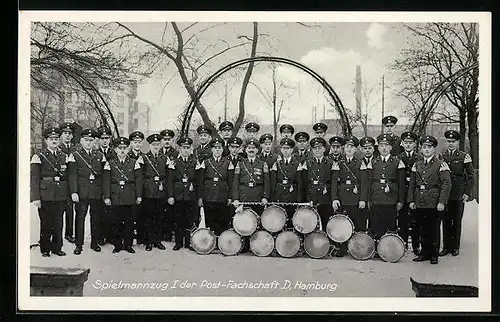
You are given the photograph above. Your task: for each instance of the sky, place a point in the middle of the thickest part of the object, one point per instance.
(331, 49)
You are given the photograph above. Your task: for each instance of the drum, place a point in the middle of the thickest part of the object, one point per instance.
(391, 248)
(203, 241)
(361, 246)
(273, 219)
(287, 243)
(339, 228)
(230, 242)
(305, 219)
(317, 244)
(246, 222)
(261, 243)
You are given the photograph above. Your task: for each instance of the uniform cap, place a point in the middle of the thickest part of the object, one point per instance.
(169, 133)
(336, 140)
(367, 141)
(265, 137)
(136, 135)
(252, 126)
(90, 133)
(452, 134)
(390, 120)
(226, 125)
(68, 127)
(121, 141)
(409, 136)
(352, 140)
(104, 130)
(301, 135)
(385, 137)
(154, 138)
(252, 141)
(287, 127)
(320, 127)
(287, 142)
(184, 141)
(428, 139)
(51, 131)
(203, 129)
(217, 140)
(236, 140)
(316, 141)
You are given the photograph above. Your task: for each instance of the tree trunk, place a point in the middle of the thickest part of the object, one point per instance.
(473, 136)
(275, 107)
(463, 128)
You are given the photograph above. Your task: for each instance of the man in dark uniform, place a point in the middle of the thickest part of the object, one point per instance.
(286, 131)
(252, 130)
(286, 178)
(266, 154)
(226, 132)
(387, 192)
(85, 185)
(336, 144)
(320, 132)
(104, 135)
(406, 216)
(203, 151)
(136, 140)
(302, 139)
(389, 122)
(234, 145)
(182, 192)
(154, 173)
(67, 147)
(462, 182)
(367, 145)
(50, 192)
(167, 149)
(122, 189)
(429, 190)
(317, 177)
(216, 174)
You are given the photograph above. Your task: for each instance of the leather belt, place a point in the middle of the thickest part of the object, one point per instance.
(53, 179)
(383, 181)
(426, 186)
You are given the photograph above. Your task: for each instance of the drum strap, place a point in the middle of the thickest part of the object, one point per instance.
(152, 166)
(215, 169)
(249, 173)
(282, 171)
(421, 178)
(348, 169)
(118, 168)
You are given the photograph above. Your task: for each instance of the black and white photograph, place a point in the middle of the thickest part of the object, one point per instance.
(254, 161)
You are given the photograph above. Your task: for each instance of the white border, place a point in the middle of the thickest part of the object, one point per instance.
(481, 304)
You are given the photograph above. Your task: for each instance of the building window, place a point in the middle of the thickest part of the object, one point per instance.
(121, 101)
(136, 123)
(136, 107)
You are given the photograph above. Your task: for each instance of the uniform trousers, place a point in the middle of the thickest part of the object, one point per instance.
(139, 223)
(51, 225)
(325, 212)
(246, 240)
(428, 219)
(383, 219)
(81, 212)
(153, 213)
(69, 218)
(406, 221)
(290, 211)
(184, 213)
(167, 226)
(452, 225)
(217, 216)
(357, 216)
(122, 225)
(105, 220)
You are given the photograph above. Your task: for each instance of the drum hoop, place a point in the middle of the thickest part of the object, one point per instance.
(256, 221)
(264, 232)
(343, 217)
(321, 233)
(315, 212)
(237, 235)
(362, 233)
(212, 247)
(295, 234)
(265, 214)
(398, 238)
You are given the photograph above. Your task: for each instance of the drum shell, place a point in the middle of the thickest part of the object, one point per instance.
(281, 239)
(394, 255)
(237, 238)
(240, 218)
(344, 232)
(297, 219)
(255, 241)
(309, 243)
(194, 239)
(269, 213)
(364, 250)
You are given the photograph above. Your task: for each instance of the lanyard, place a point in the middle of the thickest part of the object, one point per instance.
(55, 168)
(152, 166)
(249, 174)
(282, 171)
(88, 165)
(348, 169)
(119, 170)
(213, 167)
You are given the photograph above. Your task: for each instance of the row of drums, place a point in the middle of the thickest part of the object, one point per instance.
(267, 234)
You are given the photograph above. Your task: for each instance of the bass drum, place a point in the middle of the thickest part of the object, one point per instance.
(203, 241)
(339, 228)
(262, 243)
(273, 219)
(391, 248)
(246, 222)
(305, 219)
(287, 243)
(230, 242)
(361, 246)
(316, 244)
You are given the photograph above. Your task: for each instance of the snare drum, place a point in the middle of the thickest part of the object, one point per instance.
(287, 243)
(391, 247)
(230, 242)
(339, 228)
(317, 244)
(262, 243)
(305, 219)
(273, 219)
(361, 246)
(203, 241)
(246, 222)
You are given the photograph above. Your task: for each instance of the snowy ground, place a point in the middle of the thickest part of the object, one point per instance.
(345, 276)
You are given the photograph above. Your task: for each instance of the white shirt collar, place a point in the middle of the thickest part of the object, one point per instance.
(451, 151)
(429, 159)
(88, 151)
(251, 159)
(53, 152)
(319, 159)
(349, 159)
(386, 158)
(410, 153)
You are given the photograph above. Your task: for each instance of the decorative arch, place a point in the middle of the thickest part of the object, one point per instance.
(344, 120)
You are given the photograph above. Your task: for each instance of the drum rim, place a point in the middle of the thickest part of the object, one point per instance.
(265, 232)
(283, 216)
(208, 251)
(294, 219)
(322, 233)
(287, 231)
(348, 220)
(391, 235)
(351, 241)
(256, 222)
(239, 237)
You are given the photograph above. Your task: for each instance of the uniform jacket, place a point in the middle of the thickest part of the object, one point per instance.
(225, 149)
(303, 155)
(335, 158)
(216, 180)
(269, 158)
(393, 173)
(67, 149)
(317, 177)
(462, 173)
(350, 181)
(85, 177)
(286, 180)
(429, 184)
(235, 160)
(409, 162)
(277, 150)
(134, 156)
(251, 181)
(202, 153)
(397, 149)
(171, 153)
(183, 179)
(115, 173)
(154, 173)
(109, 153)
(49, 174)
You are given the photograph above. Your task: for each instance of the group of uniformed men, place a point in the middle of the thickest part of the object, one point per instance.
(389, 187)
